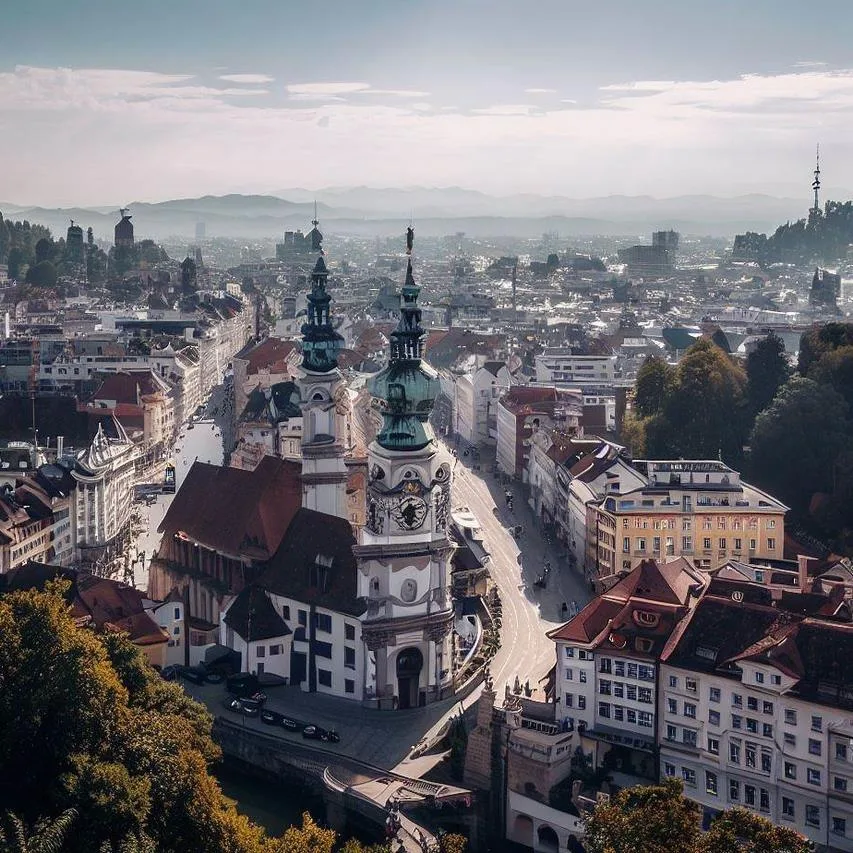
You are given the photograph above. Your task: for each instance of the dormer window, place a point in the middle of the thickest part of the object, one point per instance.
(643, 644)
(318, 573)
(644, 617)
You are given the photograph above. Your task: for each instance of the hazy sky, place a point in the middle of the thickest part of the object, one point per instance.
(108, 101)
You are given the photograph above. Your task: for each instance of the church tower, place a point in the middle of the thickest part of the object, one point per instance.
(404, 552)
(324, 405)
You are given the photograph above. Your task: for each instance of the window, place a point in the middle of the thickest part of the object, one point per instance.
(713, 746)
(776, 679)
(582, 703)
(749, 794)
(349, 657)
(737, 721)
(324, 677)
(751, 701)
(714, 694)
(176, 630)
(734, 790)
(582, 677)
(790, 717)
(751, 725)
(764, 799)
(813, 815)
(841, 752)
(753, 544)
(690, 684)
(689, 776)
(671, 706)
(349, 685)
(619, 668)
(767, 707)
(766, 730)
(714, 718)
(569, 700)
(766, 762)
(737, 700)
(644, 695)
(619, 689)
(787, 807)
(656, 544)
(604, 687)
(285, 612)
(322, 650)
(276, 649)
(302, 617)
(839, 826)
(722, 543)
(645, 719)
(817, 724)
(641, 544)
(839, 783)
(646, 672)
(688, 737)
(323, 621)
(706, 543)
(631, 716)
(604, 665)
(671, 732)
(668, 769)
(771, 543)
(349, 631)
(813, 776)
(790, 770)
(569, 674)
(618, 713)
(750, 754)
(738, 544)
(734, 753)
(604, 709)
(632, 670)
(771, 523)
(814, 746)
(673, 681)
(711, 782)
(690, 710)
(631, 692)
(790, 740)
(626, 545)
(759, 678)
(261, 651)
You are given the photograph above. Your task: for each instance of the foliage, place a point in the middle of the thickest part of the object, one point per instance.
(658, 819)
(42, 274)
(739, 830)
(47, 836)
(835, 369)
(654, 819)
(796, 441)
(818, 341)
(697, 410)
(767, 370)
(86, 724)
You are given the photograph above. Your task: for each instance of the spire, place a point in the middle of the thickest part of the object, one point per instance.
(816, 181)
(407, 385)
(316, 235)
(320, 341)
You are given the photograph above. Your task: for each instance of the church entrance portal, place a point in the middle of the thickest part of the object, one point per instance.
(410, 662)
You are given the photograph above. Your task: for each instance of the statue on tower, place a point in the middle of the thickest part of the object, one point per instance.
(410, 239)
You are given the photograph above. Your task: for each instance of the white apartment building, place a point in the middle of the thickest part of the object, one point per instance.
(475, 399)
(755, 708)
(559, 366)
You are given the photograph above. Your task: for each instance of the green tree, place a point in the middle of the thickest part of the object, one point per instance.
(42, 274)
(45, 250)
(654, 819)
(16, 262)
(797, 440)
(739, 830)
(818, 341)
(835, 368)
(767, 370)
(47, 836)
(655, 381)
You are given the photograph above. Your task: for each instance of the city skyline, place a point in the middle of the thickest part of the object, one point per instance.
(103, 104)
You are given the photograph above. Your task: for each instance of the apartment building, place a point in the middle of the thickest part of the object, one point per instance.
(755, 706)
(559, 366)
(698, 509)
(607, 661)
(475, 401)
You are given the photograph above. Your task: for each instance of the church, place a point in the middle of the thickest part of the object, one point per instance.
(363, 614)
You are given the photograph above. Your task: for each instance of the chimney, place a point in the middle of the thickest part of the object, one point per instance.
(803, 571)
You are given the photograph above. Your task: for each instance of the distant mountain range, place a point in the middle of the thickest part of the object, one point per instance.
(367, 211)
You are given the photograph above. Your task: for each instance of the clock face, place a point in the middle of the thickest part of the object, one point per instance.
(410, 512)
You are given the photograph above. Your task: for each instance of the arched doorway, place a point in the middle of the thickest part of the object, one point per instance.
(548, 840)
(410, 662)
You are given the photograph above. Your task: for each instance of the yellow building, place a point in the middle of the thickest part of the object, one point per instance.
(701, 510)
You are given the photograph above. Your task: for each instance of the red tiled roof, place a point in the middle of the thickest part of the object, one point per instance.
(236, 511)
(265, 354)
(128, 387)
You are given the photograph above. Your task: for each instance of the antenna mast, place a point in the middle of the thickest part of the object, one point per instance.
(816, 181)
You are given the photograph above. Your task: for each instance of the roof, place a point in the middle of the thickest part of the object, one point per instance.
(129, 387)
(236, 511)
(265, 353)
(313, 540)
(253, 616)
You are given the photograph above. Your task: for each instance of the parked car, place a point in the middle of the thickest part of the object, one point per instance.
(319, 733)
(193, 674)
(251, 707)
(272, 718)
(242, 684)
(233, 705)
(290, 725)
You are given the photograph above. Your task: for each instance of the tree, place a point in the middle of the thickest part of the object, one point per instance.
(654, 819)
(17, 260)
(835, 368)
(45, 250)
(767, 370)
(816, 342)
(655, 381)
(47, 836)
(797, 440)
(739, 830)
(42, 274)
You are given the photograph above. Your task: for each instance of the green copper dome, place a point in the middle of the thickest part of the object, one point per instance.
(408, 385)
(320, 342)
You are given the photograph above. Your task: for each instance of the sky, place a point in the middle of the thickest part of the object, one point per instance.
(105, 102)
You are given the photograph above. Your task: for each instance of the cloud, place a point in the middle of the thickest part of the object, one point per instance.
(540, 91)
(322, 90)
(507, 110)
(258, 79)
(809, 63)
(397, 93)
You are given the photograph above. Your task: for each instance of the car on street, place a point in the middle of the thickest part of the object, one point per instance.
(272, 718)
(233, 705)
(251, 707)
(319, 733)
